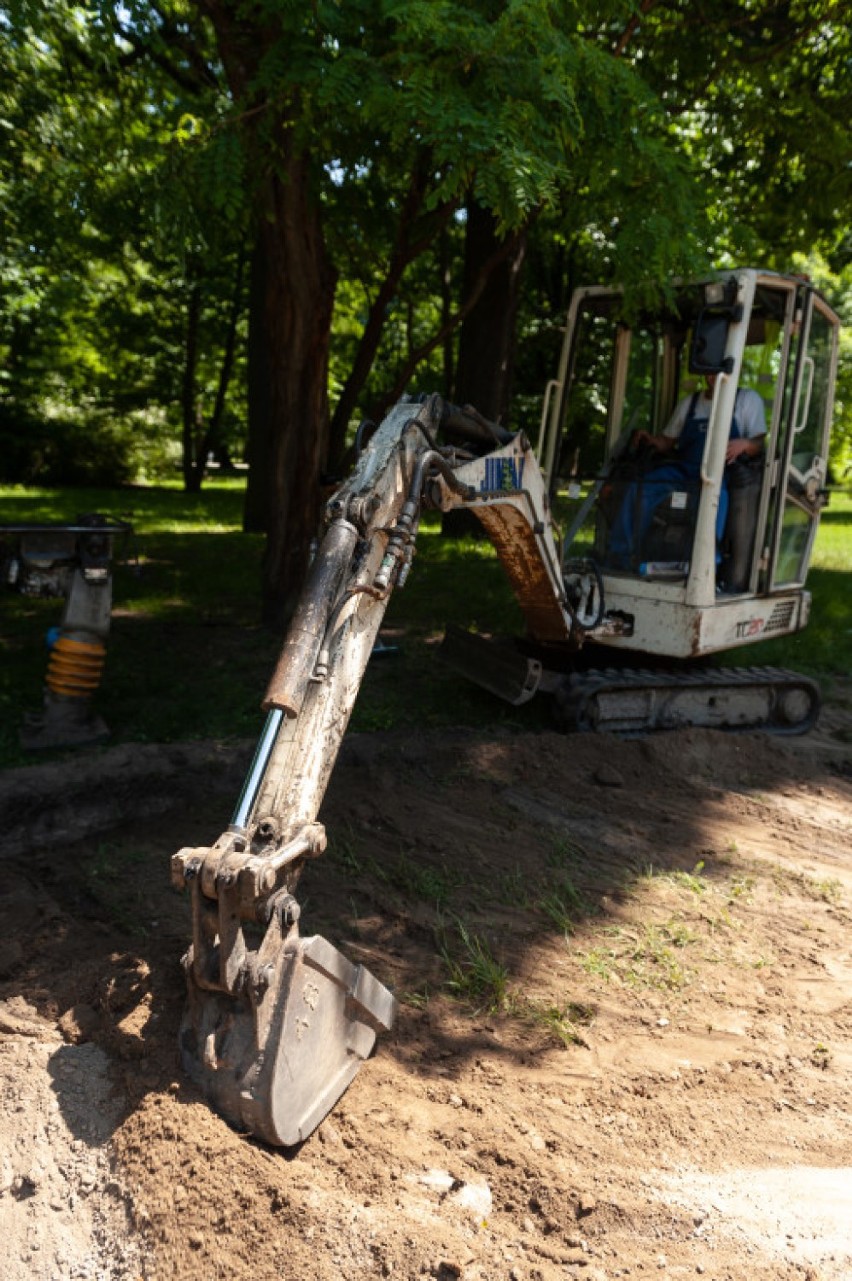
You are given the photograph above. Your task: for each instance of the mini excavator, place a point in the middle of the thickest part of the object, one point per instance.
(276, 1024)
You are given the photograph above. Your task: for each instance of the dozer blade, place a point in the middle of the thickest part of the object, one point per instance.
(276, 1059)
(494, 665)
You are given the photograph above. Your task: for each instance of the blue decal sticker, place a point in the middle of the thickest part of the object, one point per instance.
(502, 474)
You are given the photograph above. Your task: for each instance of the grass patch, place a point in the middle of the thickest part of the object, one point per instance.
(564, 905)
(647, 955)
(416, 879)
(693, 881)
(564, 1023)
(343, 851)
(820, 889)
(187, 657)
(418, 999)
(474, 973)
(824, 648)
(742, 888)
(565, 852)
(422, 881)
(821, 1056)
(511, 889)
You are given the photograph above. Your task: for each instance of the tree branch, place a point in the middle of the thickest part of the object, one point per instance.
(192, 81)
(425, 349)
(404, 252)
(229, 352)
(632, 27)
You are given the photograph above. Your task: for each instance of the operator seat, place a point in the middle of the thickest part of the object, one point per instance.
(744, 481)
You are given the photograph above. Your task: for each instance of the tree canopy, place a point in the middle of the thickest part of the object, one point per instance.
(245, 223)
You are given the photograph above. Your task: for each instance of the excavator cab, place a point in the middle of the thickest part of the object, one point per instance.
(719, 558)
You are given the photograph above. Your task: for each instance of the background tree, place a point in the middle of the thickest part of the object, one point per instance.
(373, 170)
(434, 104)
(121, 298)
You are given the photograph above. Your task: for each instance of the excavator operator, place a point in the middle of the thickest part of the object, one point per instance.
(683, 439)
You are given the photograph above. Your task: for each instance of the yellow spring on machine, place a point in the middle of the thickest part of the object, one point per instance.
(75, 666)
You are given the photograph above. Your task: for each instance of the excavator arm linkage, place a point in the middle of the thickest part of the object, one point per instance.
(277, 1025)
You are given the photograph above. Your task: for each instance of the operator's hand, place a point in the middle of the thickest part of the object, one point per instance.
(736, 448)
(644, 438)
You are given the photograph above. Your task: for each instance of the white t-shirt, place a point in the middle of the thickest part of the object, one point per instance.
(750, 414)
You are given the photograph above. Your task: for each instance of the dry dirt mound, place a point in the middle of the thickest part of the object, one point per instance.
(625, 1037)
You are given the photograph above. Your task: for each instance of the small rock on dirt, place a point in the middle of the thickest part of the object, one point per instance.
(608, 776)
(475, 1197)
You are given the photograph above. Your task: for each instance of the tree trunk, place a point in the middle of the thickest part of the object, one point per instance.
(448, 351)
(290, 324)
(257, 507)
(193, 468)
(486, 357)
(213, 437)
(198, 440)
(487, 341)
(291, 298)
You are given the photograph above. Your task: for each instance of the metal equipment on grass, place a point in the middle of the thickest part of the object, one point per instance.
(74, 562)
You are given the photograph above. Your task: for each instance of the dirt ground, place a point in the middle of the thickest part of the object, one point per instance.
(624, 1046)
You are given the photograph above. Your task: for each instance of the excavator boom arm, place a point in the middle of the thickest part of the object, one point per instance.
(277, 1025)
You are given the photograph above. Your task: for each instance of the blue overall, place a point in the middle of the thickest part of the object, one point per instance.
(644, 496)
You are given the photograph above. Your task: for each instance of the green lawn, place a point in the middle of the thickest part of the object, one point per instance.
(824, 649)
(188, 658)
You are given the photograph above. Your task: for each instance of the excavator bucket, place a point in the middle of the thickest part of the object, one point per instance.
(277, 1057)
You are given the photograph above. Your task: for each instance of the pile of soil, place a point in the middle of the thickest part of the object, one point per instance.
(625, 1031)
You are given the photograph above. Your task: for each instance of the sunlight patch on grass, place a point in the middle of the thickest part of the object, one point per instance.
(693, 881)
(160, 509)
(833, 547)
(564, 1022)
(645, 955)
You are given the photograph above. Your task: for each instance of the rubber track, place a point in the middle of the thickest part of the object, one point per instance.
(791, 702)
